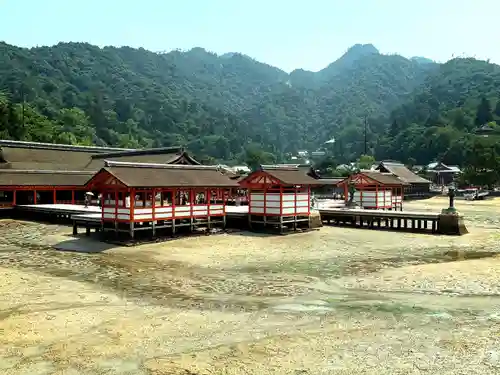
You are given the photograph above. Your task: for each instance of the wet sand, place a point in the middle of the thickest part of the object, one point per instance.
(333, 301)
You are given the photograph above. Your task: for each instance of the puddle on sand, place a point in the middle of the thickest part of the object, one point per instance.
(458, 255)
(291, 307)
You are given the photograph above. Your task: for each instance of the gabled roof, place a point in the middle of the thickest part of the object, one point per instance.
(166, 155)
(288, 174)
(164, 175)
(399, 170)
(378, 177)
(441, 167)
(10, 177)
(45, 156)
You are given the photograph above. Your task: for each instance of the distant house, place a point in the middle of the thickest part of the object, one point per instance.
(318, 153)
(441, 173)
(416, 185)
(484, 131)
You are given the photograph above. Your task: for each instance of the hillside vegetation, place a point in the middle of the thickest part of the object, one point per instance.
(231, 107)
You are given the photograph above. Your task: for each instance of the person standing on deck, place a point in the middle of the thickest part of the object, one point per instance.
(313, 201)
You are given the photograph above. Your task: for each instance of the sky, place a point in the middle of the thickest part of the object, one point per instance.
(288, 34)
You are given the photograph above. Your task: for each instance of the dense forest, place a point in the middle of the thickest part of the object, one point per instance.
(234, 108)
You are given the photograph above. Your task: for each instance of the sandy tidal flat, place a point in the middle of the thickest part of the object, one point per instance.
(333, 301)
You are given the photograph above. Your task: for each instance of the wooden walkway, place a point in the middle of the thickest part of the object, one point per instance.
(59, 209)
(374, 219)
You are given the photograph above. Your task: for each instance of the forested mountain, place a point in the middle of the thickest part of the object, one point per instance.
(231, 106)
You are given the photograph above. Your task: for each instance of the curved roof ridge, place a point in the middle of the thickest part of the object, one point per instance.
(126, 164)
(145, 151)
(57, 146)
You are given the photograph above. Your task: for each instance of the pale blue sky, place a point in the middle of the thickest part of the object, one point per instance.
(287, 34)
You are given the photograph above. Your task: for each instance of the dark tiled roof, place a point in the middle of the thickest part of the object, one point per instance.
(97, 163)
(43, 159)
(329, 181)
(42, 156)
(384, 178)
(402, 172)
(165, 175)
(290, 174)
(381, 178)
(38, 178)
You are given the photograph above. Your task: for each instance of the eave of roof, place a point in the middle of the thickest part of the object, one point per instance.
(165, 175)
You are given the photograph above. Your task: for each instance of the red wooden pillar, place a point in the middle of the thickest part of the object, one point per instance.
(132, 204)
(249, 200)
(174, 203)
(104, 194)
(265, 200)
(73, 197)
(116, 204)
(191, 201)
(34, 196)
(54, 196)
(295, 201)
(376, 197)
(224, 201)
(309, 200)
(207, 198)
(14, 197)
(153, 204)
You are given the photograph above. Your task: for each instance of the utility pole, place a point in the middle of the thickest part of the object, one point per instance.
(22, 104)
(366, 141)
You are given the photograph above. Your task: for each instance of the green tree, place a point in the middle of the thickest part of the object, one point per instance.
(497, 109)
(483, 113)
(365, 162)
(254, 157)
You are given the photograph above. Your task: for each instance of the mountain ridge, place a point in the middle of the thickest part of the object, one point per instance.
(224, 106)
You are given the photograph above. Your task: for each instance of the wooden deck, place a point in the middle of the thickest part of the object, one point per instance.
(92, 219)
(374, 219)
(59, 209)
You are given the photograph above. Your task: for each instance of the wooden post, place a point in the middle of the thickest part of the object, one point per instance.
(34, 196)
(153, 205)
(73, 197)
(174, 192)
(295, 209)
(207, 199)
(116, 211)
(131, 213)
(249, 192)
(224, 202)
(54, 196)
(14, 198)
(191, 201)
